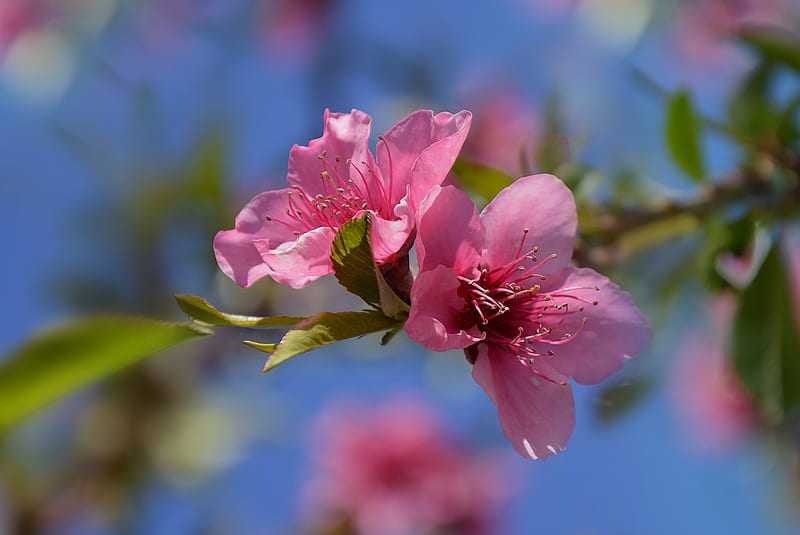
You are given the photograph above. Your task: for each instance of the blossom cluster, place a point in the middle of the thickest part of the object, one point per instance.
(391, 468)
(497, 283)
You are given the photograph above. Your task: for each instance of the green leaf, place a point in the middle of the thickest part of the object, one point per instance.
(683, 136)
(62, 359)
(353, 263)
(766, 349)
(323, 329)
(485, 181)
(774, 44)
(200, 310)
(355, 268)
(750, 107)
(619, 399)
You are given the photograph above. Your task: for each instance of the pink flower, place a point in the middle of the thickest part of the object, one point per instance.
(287, 234)
(711, 401)
(498, 284)
(392, 470)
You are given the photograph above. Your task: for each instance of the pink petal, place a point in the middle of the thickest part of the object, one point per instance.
(435, 307)
(537, 416)
(389, 237)
(449, 232)
(420, 150)
(297, 263)
(543, 205)
(614, 331)
(346, 137)
(236, 255)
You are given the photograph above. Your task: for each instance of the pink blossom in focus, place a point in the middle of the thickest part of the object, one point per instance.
(392, 470)
(287, 234)
(499, 284)
(711, 401)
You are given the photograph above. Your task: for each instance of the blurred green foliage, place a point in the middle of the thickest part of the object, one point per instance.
(765, 345)
(63, 359)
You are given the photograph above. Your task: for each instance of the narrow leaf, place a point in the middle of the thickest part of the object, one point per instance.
(68, 357)
(353, 263)
(480, 179)
(766, 349)
(201, 310)
(323, 329)
(683, 136)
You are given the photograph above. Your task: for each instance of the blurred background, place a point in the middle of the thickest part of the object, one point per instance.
(132, 131)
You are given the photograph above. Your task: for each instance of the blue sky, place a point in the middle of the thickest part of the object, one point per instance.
(636, 476)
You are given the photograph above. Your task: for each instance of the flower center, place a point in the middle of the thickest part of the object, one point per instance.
(344, 194)
(513, 310)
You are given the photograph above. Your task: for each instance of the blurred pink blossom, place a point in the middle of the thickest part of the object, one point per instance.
(293, 30)
(391, 469)
(499, 285)
(20, 16)
(711, 401)
(287, 234)
(504, 132)
(703, 28)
